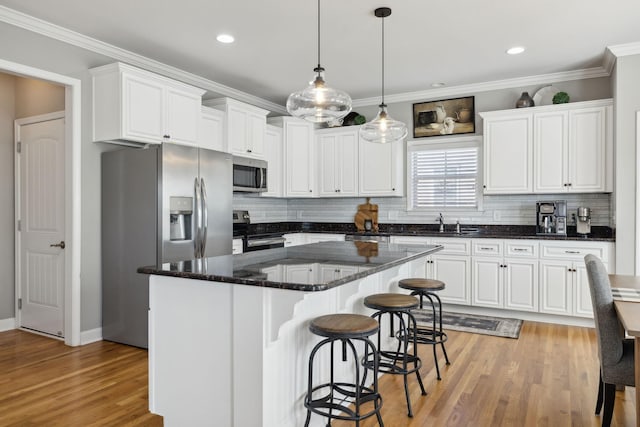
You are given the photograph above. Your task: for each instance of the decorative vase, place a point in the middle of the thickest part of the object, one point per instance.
(524, 101)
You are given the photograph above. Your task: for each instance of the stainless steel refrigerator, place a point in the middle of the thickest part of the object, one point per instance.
(166, 203)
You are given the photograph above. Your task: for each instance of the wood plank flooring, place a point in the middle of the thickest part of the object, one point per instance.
(547, 377)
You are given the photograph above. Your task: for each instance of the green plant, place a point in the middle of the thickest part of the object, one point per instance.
(560, 98)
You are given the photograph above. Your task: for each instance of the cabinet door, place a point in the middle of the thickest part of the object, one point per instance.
(299, 157)
(211, 131)
(551, 141)
(183, 116)
(275, 159)
(256, 125)
(236, 246)
(583, 306)
(455, 272)
(556, 287)
(508, 155)
(488, 283)
(237, 120)
(301, 273)
(142, 109)
(328, 184)
(521, 284)
(587, 149)
(347, 162)
(379, 169)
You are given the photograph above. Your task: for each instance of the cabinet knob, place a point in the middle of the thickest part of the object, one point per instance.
(569, 184)
(310, 191)
(484, 186)
(393, 189)
(166, 136)
(248, 151)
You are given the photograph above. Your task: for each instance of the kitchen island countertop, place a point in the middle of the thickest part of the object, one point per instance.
(248, 268)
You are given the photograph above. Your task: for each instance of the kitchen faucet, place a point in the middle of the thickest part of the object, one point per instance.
(441, 219)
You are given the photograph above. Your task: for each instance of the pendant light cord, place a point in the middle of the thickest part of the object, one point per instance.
(319, 34)
(383, 61)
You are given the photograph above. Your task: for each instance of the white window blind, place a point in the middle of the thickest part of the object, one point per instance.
(444, 177)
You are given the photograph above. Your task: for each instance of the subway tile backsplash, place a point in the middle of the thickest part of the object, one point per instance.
(507, 210)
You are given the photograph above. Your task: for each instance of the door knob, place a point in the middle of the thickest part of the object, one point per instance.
(60, 245)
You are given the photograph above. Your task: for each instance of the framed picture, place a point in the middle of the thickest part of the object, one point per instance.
(445, 117)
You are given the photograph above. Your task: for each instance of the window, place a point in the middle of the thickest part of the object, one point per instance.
(444, 175)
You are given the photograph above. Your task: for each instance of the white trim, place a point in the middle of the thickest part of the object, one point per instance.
(588, 73)
(73, 140)
(637, 217)
(7, 324)
(625, 49)
(65, 35)
(92, 335)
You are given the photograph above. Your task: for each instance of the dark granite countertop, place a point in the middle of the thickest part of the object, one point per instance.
(598, 233)
(250, 268)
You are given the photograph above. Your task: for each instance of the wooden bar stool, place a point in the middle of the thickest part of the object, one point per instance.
(427, 288)
(398, 358)
(335, 398)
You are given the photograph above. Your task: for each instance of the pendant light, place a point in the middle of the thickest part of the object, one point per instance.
(318, 102)
(383, 128)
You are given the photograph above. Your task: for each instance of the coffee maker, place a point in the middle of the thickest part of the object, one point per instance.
(551, 217)
(583, 220)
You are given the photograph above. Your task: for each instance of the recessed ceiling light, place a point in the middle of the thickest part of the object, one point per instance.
(225, 38)
(440, 84)
(515, 50)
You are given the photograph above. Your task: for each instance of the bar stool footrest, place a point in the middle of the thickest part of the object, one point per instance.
(429, 336)
(328, 404)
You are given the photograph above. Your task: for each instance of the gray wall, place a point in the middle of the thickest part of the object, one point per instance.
(7, 116)
(627, 103)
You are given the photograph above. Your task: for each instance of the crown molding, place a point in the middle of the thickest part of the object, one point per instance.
(542, 79)
(39, 26)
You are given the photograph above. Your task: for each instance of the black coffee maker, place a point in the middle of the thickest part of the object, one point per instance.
(551, 217)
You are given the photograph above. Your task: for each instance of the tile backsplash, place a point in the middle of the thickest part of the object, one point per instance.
(508, 210)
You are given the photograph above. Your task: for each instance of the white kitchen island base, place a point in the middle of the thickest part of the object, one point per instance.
(232, 355)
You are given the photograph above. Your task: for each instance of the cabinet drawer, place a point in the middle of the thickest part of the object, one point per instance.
(453, 246)
(487, 247)
(521, 248)
(575, 251)
(410, 240)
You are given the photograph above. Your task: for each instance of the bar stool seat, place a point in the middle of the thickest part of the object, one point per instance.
(427, 288)
(397, 358)
(339, 399)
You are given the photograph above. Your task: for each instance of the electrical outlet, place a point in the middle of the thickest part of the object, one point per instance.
(496, 215)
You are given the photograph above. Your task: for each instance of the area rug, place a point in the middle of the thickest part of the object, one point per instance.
(474, 323)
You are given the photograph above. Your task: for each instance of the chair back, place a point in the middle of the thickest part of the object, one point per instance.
(608, 329)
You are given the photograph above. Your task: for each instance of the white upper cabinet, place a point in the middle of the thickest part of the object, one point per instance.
(299, 159)
(381, 169)
(337, 154)
(211, 134)
(245, 126)
(549, 149)
(133, 106)
(507, 153)
(274, 156)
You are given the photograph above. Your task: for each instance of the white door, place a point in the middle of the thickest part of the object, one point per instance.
(521, 284)
(455, 272)
(488, 282)
(40, 240)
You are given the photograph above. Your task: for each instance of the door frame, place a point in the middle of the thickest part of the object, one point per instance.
(72, 191)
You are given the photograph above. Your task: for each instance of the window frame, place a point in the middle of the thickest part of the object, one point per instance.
(445, 143)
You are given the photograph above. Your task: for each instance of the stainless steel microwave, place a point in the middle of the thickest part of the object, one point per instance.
(249, 175)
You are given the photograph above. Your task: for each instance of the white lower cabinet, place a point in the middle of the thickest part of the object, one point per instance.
(505, 282)
(299, 273)
(236, 246)
(330, 272)
(542, 276)
(451, 265)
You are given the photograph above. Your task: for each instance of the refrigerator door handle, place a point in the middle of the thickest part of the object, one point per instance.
(205, 218)
(198, 218)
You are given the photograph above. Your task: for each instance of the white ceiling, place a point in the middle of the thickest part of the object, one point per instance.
(460, 42)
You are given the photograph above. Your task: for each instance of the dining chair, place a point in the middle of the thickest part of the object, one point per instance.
(616, 353)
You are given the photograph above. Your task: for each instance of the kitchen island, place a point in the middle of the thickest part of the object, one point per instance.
(228, 336)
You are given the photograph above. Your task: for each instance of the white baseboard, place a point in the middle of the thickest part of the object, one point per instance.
(7, 324)
(92, 335)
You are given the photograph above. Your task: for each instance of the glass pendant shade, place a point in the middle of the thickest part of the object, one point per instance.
(319, 103)
(383, 128)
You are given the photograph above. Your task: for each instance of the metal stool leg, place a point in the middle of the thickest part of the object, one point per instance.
(444, 350)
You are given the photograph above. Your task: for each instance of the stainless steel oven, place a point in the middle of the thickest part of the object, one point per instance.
(249, 175)
(263, 241)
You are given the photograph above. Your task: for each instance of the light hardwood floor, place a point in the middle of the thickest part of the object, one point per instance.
(547, 377)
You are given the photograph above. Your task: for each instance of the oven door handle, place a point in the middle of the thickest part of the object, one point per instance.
(263, 242)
